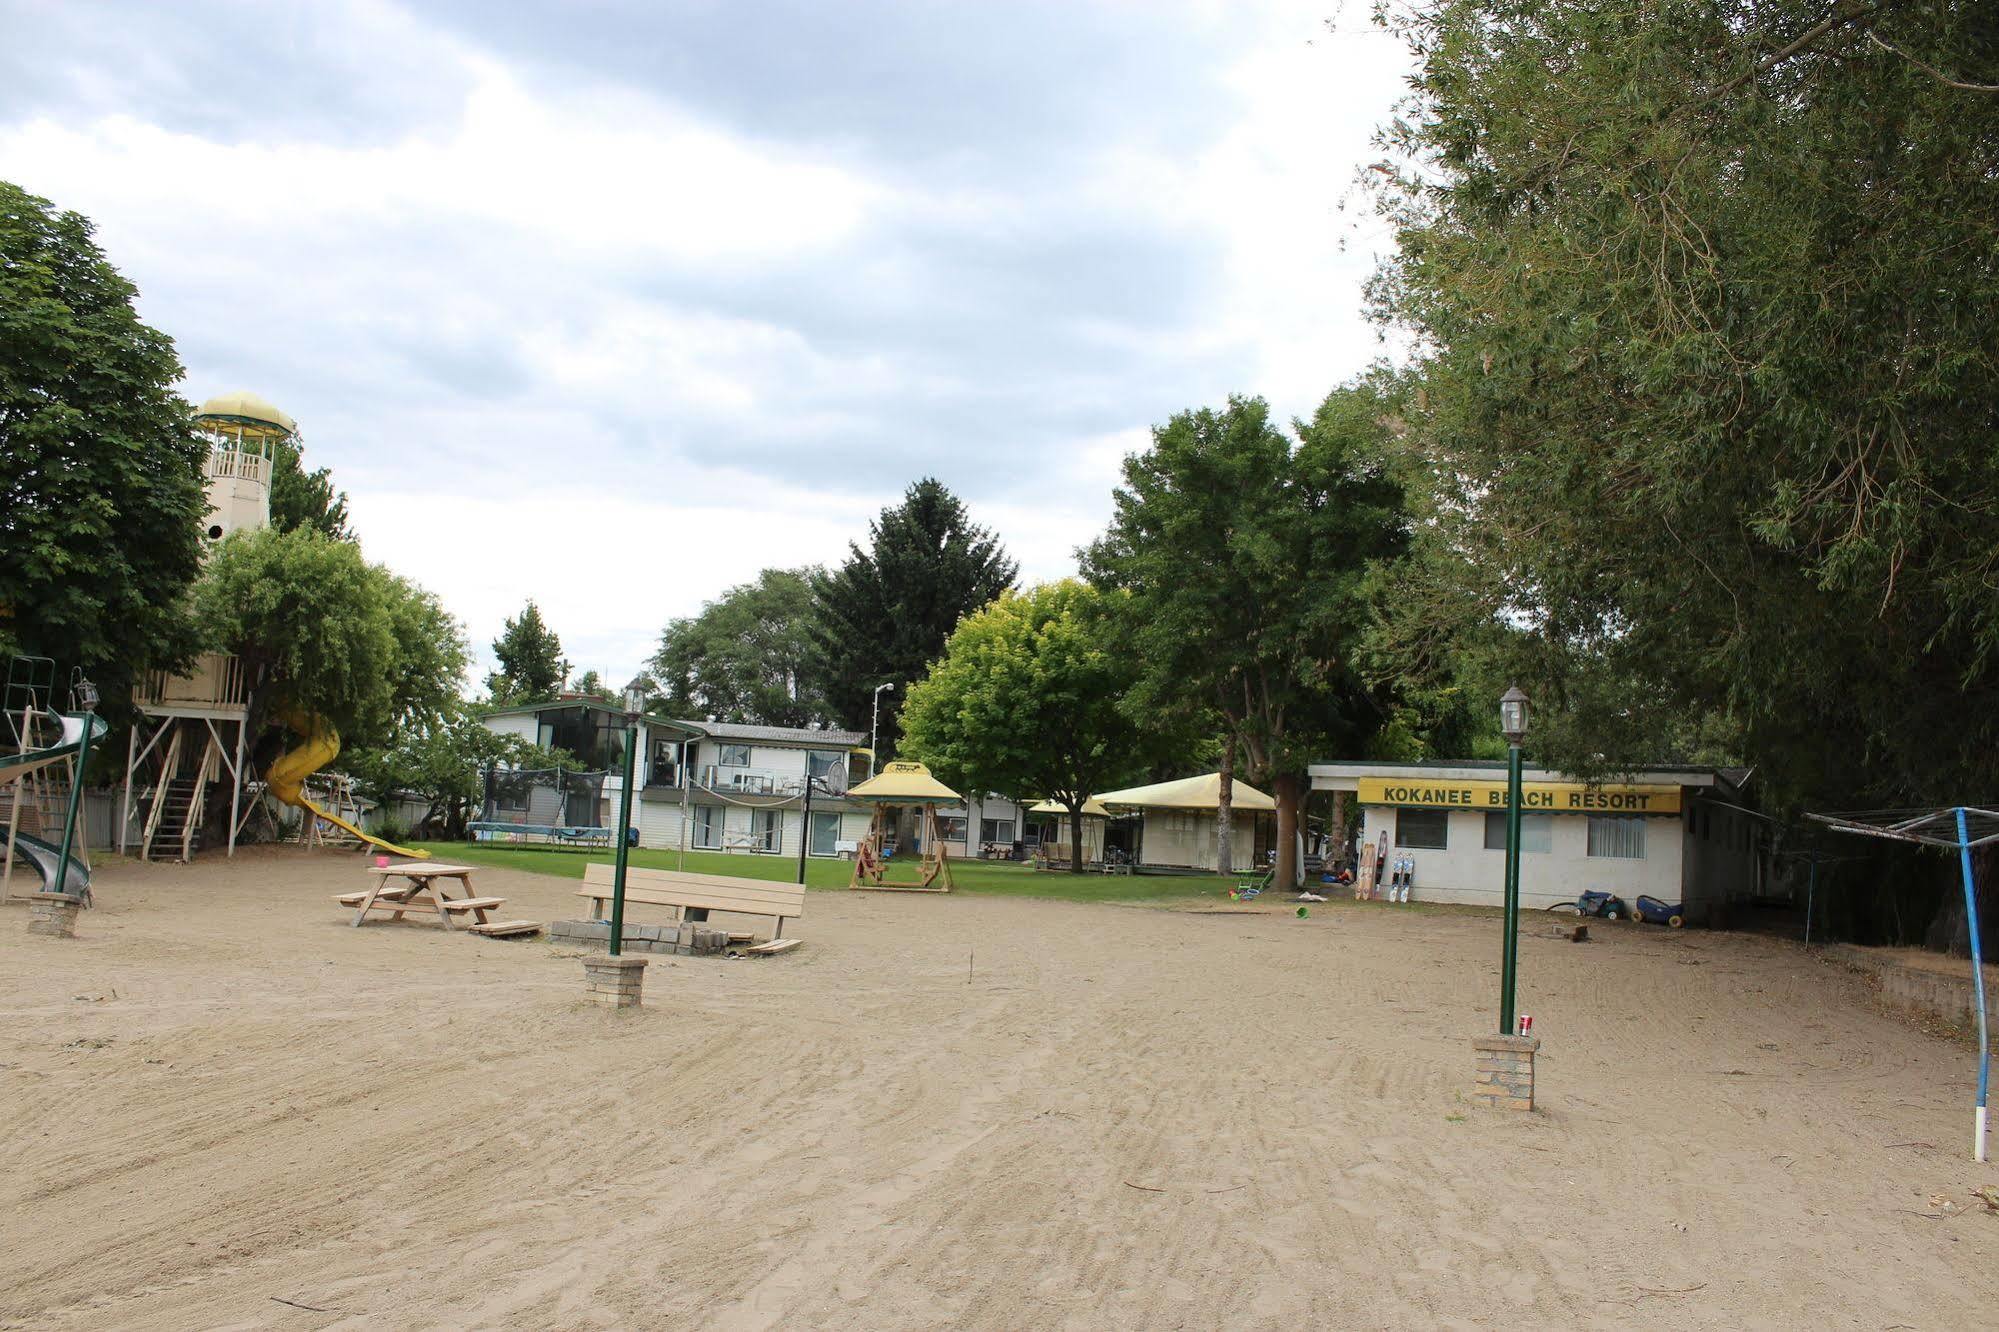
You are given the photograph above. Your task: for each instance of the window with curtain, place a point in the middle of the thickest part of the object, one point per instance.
(1423, 829)
(1537, 831)
(1617, 836)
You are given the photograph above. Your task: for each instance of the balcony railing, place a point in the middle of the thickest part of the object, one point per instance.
(234, 464)
(214, 681)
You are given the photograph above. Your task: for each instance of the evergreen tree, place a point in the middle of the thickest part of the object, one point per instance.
(530, 655)
(883, 616)
(101, 483)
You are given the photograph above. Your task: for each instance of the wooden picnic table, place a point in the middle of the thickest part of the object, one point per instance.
(423, 890)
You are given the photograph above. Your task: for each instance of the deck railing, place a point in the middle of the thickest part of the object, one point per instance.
(215, 680)
(234, 464)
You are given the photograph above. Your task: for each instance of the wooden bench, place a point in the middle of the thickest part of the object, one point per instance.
(696, 892)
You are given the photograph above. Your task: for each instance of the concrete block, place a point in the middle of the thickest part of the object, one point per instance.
(54, 914)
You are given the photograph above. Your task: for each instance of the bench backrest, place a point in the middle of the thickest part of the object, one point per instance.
(715, 892)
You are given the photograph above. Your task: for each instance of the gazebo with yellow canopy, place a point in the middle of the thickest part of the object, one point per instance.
(903, 785)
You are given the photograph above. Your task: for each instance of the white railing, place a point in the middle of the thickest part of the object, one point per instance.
(215, 681)
(234, 464)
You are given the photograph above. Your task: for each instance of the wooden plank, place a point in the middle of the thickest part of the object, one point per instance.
(501, 929)
(421, 869)
(774, 947)
(598, 872)
(471, 903)
(707, 890)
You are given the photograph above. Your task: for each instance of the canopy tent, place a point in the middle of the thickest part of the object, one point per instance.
(1196, 793)
(1957, 828)
(1093, 808)
(903, 784)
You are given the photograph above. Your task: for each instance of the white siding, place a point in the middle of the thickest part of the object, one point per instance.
(525, 725)
(1464, 871)
(1187, 838)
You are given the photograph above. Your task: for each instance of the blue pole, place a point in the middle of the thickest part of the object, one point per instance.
(1977, 982)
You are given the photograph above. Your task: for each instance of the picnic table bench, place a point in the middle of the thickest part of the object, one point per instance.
(423, 891)
(702, 893)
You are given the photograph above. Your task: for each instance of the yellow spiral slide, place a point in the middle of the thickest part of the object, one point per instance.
(285, 778)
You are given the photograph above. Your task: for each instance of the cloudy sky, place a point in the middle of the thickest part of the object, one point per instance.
(612, 305)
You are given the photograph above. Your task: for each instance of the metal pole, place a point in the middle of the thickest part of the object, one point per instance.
(874, 726)
(805, 824)
(1977, 985)
(1811, 894)
(131, 760)
(624, 836)
(236, 785)
(1510, 945)
(76, 798)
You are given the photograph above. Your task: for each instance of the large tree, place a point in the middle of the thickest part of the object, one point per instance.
(306, 499)
(748, 656)
(532, 669)
(1026, 700)
(101, 484)
(1250, 560)
(1709, 377)
(882, 616)
(444, 760)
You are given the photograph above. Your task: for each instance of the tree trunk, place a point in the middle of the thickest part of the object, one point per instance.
(1076, 837)
(1289, 791)
(1225, 810)
(1336, 849)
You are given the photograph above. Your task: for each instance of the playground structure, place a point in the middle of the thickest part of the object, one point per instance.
(192, 734)
(552, 807)
(41, 779)
(903, 793)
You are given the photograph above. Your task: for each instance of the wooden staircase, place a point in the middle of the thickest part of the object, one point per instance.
(174, 818)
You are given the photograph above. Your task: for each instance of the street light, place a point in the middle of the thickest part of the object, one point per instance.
(1513, 725)
(635, 706)
(83, 697)
(875, 725)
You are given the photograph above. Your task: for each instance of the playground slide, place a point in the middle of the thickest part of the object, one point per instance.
(45, 858)
(285, 778)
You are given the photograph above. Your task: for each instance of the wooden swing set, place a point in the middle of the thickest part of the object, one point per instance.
(898, 786)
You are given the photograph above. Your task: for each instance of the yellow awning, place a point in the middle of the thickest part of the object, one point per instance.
(1204, 792)
(904, 783)
(1092, 808)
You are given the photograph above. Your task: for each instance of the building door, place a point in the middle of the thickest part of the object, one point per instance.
(825, 833)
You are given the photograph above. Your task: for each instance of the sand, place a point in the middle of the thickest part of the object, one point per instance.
(966, 1111)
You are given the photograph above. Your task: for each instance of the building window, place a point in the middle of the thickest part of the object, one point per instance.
(1537, 831)
(706, 834)
(764, 826)
(1423, 829)
(1617, 836)
(951, 827)
(996, 830)
(733, 756)
(825, 833)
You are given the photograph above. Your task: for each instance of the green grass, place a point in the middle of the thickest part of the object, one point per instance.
(997, 878)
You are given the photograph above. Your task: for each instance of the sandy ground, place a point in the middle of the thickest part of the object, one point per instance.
(965, 1111)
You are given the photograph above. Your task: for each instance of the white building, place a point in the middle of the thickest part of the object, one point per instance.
(1677, 834)
(726, 786)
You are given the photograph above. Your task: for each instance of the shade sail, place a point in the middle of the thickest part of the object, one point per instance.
(904, 783)
(1092, 808)
(1203, 792)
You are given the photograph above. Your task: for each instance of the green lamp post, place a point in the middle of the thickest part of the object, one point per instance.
(1513, 725)
(84, 699)
(635, 706)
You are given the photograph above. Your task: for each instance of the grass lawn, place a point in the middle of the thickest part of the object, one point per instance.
(1001, 878)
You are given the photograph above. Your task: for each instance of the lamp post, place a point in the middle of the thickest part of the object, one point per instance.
(84, 698)
(635, 704)
(875, 725)
(1512, 724)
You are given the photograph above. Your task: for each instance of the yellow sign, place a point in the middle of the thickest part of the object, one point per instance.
(1538, 797)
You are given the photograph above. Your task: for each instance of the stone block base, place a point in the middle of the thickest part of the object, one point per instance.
(53, 914)
(1505, 1077)
(616, 982)
(687, 939)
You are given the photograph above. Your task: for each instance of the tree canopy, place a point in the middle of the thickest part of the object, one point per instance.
(1250, 563)
(330, 633)
(306, 499)
(101, 482)
(444, 760)
(1708, 377)
(748, 656)
(883, 615)
(532, 669)
(1025, 701)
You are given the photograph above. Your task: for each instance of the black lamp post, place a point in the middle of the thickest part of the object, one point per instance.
(1512, 724)
(805, 822)
(635, 706)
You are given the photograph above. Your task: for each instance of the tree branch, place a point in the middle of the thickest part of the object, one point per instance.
(1932, 70)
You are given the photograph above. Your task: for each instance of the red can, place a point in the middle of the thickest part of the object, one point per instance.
(1526, 1025)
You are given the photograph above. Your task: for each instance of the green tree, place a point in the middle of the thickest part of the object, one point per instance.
(1025, 700)
(306, 499)
(1710, 380)
(532, 669)
(1251, 563)
(591, 685)
(444, 761)
(747, 657)
(101, 482)
(882, 617)
(327, 633)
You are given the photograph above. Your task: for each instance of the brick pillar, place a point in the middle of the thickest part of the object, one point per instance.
(1505, 1077)
(616, 982)
(53, 914)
